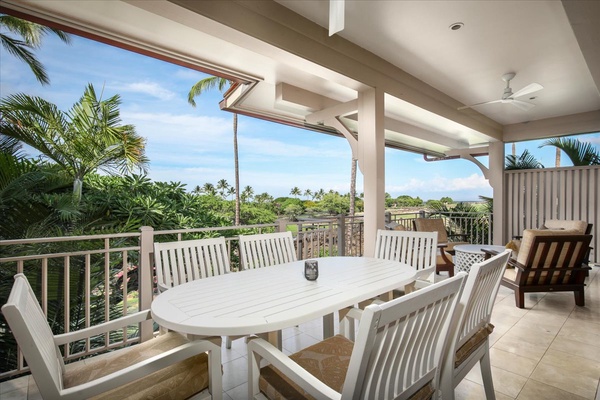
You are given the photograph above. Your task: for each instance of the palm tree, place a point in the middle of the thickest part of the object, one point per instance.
(320, 193)
(31, 38)
(86, 138)
(221, 83)
(209, 189)
(308, 193)
(580, 153)
(247, 193)
(524, 161)
(353, 187)
(296, 191)
(223, 187)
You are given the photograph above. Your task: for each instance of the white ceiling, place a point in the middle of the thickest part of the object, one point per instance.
(531, 38)
(293, 69)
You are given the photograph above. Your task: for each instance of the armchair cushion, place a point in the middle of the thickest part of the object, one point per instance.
(179, 381)
(527, 242)
(559, 224)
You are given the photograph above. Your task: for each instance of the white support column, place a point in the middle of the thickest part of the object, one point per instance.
(496, 179)
(371, 156)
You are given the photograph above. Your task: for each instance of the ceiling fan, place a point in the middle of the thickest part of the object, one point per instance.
(510, 97)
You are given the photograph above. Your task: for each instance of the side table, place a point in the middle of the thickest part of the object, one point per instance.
(468, 254)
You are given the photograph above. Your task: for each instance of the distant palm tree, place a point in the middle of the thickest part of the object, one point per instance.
(353, 187)
(223, 187)
(296, 191)
(319, 194)
(209, 189)
(580, 153)
(525, 161)
(31, 39)
(247, 193)
(84, 139)
(221, 83)
(308, 193)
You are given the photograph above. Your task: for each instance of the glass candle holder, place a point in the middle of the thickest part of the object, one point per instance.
(311, 270)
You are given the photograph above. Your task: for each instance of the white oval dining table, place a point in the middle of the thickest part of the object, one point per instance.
(273, 298)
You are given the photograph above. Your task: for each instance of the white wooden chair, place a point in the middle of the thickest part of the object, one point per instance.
(469, 332)
(168, 363)
(187, 260)
(266, 249)
(417, 249)
(396, 356)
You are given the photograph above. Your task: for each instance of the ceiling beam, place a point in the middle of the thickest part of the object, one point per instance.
(574, 124)
(280, 27)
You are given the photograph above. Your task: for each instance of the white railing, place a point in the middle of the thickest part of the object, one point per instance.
(476, 226)
(85, 280)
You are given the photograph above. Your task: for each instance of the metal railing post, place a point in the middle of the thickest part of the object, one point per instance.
(341, 235)
(146, 281)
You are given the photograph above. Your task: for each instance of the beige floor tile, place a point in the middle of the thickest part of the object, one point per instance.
(14, 384)
(512, 362)
(469, 390)
(587, 314)
(553, 319)
(298, 342)
(568, 372)
(535, 332)
(534, 390)
(581, 331)
(235, 373)
(522, 346)
(505, 382)
(574, 347)
(507, 307)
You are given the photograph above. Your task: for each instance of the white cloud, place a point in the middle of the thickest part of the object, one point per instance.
(149, 88)
(440, 185)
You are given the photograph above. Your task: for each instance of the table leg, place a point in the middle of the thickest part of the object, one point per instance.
(274, 338)
(327, 326)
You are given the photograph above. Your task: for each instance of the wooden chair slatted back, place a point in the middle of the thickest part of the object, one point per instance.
(188, 260)
(400, 343)
(267, 249)
(417, 249)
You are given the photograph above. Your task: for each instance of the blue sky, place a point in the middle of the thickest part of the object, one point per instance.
(194, 145)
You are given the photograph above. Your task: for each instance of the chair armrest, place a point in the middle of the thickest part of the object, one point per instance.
(146, 367)
(104, 327)
(288, 367)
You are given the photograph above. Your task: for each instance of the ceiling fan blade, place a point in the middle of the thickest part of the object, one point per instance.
(533, 87)
(479, 104)
(523, 105)
(336, 16)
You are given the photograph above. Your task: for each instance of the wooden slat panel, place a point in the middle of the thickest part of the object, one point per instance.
(533, 196)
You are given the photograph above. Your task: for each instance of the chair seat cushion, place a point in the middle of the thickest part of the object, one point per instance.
(328, 361)
(472, 344)
(178, 381)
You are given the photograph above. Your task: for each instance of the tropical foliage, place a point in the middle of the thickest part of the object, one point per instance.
(29, 38)
(525, 161)
(580, 153)
(86, 138)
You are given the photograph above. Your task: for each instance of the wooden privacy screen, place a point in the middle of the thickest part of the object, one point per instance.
(535, 195)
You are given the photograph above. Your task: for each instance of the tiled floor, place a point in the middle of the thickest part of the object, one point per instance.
(550, 350)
